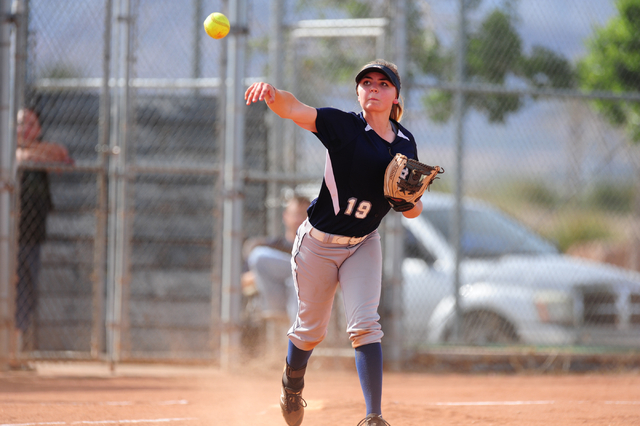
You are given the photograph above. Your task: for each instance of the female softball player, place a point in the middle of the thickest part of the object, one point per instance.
(339, 241)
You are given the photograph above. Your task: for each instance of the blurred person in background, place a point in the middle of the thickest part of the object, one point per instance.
(32, 155)
(269, 262)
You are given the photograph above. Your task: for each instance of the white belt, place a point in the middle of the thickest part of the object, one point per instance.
(334, 239)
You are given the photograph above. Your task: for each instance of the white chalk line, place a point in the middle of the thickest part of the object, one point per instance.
(109, 403)
(482, 403)
(320, 404)
(103, 422)
(511, 403)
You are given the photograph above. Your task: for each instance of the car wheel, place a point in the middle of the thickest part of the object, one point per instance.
(482, 328)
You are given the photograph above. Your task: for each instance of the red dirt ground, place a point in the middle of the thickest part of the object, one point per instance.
(89, 394)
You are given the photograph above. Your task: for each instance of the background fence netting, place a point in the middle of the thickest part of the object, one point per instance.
(532, 117)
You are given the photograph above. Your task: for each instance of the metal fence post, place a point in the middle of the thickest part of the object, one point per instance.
(276, 126)
(99, 255)
(233, 186)
(459, 113)
(393, 242)
(118, 273)
(215, 334)
(6, 185)
(21, 47)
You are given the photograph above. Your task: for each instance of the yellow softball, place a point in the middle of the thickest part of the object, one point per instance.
(216, 25)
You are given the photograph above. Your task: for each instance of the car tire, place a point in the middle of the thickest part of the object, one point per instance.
(482, 328)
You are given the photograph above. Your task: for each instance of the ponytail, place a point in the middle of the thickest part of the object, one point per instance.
(397, 110)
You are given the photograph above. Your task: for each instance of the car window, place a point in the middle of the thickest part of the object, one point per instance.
(414, 249)
(487, 233)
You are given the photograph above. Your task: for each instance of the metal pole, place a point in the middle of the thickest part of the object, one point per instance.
(289, 129)
(459, 113)
(393, 230)
(215, 334)
(117, 257)
(21, 15)
(276, 133)
(6, 187)
(126, 164)
(111, 331)
(233, 186)
(99, 245)
(196, 66)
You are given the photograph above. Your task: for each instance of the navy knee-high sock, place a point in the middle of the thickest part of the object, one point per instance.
(369, 366)
(297, 359)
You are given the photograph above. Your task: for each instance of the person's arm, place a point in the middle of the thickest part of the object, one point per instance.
(284, 104)
(248, 282)
(414, 212)
(43, 152)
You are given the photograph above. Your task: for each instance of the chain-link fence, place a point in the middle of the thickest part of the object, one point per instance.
(529, 238)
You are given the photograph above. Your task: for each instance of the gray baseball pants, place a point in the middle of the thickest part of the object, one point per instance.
(318, 267)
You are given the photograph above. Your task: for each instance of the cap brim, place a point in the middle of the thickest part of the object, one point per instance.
(382, 70)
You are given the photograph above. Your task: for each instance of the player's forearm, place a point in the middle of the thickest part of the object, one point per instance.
(282, 103)
(43, 153)
(286, 105)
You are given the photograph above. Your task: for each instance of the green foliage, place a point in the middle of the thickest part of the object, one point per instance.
(612, 197)
(59, 70)
(579, 227)
(536, 193)
(439, 105)
(604, 197)
(516, 195)
(536, 68)
(494, 52)
(423, 46)
(613, 64)
(594, 217)
(496, 107)
(442, 185)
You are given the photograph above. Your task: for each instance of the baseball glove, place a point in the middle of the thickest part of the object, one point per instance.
(405, 180)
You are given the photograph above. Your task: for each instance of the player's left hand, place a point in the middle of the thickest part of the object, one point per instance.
(405, 180)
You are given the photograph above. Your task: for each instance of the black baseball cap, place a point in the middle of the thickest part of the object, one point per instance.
(381, 69)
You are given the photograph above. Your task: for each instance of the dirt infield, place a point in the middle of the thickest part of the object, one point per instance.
(89, 394)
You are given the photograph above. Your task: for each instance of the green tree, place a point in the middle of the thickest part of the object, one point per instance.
(495, 53)
(60, 70)
(613, 64)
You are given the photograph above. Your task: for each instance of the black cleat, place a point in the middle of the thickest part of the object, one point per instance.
(373, 420)
(292, 406)
(291, 402)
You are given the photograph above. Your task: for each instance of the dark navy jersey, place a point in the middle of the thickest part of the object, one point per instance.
(351, 200)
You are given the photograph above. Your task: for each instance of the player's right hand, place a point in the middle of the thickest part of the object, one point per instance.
(260, 91)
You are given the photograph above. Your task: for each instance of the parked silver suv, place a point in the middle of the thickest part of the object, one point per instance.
(515, 286)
